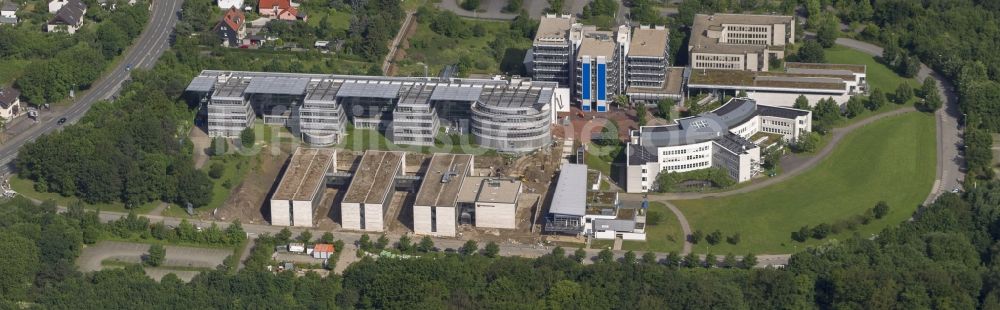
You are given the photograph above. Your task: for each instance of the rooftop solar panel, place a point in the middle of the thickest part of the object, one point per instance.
(370, 90)
(278, 85)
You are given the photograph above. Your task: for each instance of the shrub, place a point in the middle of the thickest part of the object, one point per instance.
(714, 237)
(216, 170)
(734, 239)
(248, 137)
(821, 231)
(881, 209)
(802, 235)
(696, 236)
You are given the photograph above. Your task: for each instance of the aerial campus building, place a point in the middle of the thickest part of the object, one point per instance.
(368, 197)
(577, 210)
(435, 211)
(739, 41)
(598, 65)
(506, 115)
(738, 52)
(729, 137)
(301, 187)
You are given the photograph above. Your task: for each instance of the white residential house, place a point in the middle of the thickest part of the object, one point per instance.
(8, 12)
(10, 103)
(69, 17)
(55, 5)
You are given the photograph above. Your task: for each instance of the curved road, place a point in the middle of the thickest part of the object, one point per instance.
(144, 52)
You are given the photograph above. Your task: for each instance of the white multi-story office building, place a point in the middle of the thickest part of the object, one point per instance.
(739, 41)
(599, 68)
(725, 138)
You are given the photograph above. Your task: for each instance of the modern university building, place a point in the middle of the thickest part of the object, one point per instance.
(512, 115)
(729, 137)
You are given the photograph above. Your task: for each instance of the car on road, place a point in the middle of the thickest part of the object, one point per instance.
(128, 67)
(61, 121)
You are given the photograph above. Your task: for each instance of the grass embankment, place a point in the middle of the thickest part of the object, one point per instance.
(891, 160)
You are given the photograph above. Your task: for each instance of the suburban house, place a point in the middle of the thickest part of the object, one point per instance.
(8, 12)
(226, 4)
(280, 9)
(232, 28)
(10, 103)
(69, 17)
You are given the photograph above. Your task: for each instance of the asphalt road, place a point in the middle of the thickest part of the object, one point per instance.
(144, 53)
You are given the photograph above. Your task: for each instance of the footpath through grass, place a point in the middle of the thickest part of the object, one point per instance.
(893, 159)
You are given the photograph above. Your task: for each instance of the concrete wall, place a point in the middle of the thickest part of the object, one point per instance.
(610, 235)
(788, 99)
(496, 215)
(302, 213)
(280, 213)
(422, 220)
(446, 222)
(350, 216)
(373, 217)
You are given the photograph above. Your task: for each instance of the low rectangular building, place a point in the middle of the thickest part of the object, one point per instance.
(301, 187)
(435, 210)
(782, 87)
(569, 201)
(490, 202)
(739, 41)
(368, 197)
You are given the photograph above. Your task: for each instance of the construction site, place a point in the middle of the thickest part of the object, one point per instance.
(376, 191)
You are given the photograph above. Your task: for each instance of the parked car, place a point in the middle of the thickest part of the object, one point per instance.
(61, 121)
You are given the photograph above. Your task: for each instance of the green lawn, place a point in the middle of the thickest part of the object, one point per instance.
(892, 160)
(26, 188)
(665, 237)
(601, 244)
(879, 76)
(237, 166)
(438, 51)
(339, 20)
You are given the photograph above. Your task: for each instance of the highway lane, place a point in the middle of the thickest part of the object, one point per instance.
(143, 54)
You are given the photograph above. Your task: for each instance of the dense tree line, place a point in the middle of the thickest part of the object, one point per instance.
(373, 26)
(61, 62)
(132, 150)
(955, 38)
(945, 258)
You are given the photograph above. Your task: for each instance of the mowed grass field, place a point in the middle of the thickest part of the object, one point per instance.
(893, 159)
(665, 237)
(879, 76)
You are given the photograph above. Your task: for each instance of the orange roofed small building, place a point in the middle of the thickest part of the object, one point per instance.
(280, 9)
(323, 250)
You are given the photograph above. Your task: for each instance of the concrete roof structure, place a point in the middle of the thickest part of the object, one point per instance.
(554, 29)
(649, 42)
(374, 177)
(443, 181)
(499, 190)
(598, 43)
(570, 195)
(673, 82)
(305, 174)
